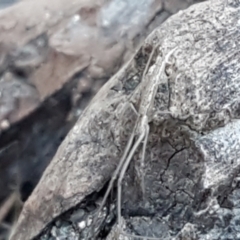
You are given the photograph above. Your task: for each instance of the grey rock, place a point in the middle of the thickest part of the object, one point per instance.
(191, 168)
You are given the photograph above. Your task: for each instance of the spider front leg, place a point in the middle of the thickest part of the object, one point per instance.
(113, 178)
(142, 163)
(124, 169)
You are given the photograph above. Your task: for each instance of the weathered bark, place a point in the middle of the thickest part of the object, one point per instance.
(192, 160)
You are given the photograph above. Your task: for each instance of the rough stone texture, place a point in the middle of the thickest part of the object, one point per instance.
(43, 51)
(44, 44)
(192, 159)
(45, 48)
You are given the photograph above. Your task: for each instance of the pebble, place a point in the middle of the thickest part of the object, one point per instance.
(82, 225)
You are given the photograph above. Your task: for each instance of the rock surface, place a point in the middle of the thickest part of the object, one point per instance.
(45, 70)
(192, 158)
(44, 49)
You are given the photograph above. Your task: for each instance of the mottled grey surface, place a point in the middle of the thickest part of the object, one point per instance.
(193, 152)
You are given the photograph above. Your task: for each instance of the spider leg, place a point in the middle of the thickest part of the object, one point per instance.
(123, 171)
(114, 176)
(143, 160)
